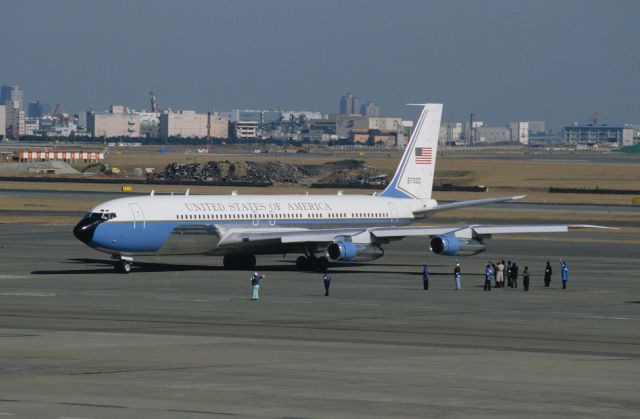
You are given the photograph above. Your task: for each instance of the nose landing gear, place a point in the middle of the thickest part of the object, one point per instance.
(123, 264)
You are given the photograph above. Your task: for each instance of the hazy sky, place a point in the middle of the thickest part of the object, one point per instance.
(505, 60)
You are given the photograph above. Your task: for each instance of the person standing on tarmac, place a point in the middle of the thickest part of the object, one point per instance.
(525, 278)
(564, 274)
(488, 276)
(499, 271)
(255, 285)
(509, 275)
(514, 275)
(456, 277)
(327, 282)
(547, 275)
(425, 277)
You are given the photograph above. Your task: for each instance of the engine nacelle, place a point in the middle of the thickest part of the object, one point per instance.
(353, 252)
(450, 245)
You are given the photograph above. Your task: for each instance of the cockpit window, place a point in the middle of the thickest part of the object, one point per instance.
(94, 216)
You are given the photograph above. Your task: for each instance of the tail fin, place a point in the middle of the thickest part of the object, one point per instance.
(414, 176)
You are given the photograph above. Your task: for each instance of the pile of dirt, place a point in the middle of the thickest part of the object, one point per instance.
(342, 172)
(233, 171)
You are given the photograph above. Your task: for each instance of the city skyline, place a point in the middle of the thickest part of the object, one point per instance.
(501, 60)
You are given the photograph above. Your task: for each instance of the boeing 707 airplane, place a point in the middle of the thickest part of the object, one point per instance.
(323, 229)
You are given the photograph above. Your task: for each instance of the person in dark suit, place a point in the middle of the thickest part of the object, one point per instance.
(547, 274)
(425, 277)
(327, 282)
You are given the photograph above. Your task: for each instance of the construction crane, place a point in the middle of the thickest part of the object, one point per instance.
(154, 103)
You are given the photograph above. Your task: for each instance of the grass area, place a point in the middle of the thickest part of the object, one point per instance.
(502, 176)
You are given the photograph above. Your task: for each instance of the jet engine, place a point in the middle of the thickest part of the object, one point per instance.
(353, 252)
(450, 245)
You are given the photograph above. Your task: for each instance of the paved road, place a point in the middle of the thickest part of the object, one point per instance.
(181, 339)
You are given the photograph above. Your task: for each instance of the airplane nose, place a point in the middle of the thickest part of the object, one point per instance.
(84, 230)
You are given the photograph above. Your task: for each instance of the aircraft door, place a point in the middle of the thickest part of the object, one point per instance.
(393, 212)
(272, 218)
(138, 217)
(255, 218)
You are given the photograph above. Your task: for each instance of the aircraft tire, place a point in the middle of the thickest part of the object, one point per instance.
(322, 264)
(248, 261)
(302, 263)
(123, 267)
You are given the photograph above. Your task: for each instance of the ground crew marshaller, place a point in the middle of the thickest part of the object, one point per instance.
(564, 274)
(488, 276)
(547, 274)
(327, 283)
(456, 277)
(255, 285)
(425, 277)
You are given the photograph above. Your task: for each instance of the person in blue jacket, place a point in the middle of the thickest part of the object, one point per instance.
(488, 276)
(564, 273)
(255, 279)
(425, 277)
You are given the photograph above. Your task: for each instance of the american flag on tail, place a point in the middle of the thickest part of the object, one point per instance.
(424, 155)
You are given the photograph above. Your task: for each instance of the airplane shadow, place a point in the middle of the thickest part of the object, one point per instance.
(104, 266)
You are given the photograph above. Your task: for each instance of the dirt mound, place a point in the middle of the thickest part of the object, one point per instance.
(233, 171)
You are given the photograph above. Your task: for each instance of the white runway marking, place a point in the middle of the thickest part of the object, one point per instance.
(28, 294)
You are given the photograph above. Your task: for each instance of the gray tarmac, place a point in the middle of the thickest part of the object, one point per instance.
(180, 338)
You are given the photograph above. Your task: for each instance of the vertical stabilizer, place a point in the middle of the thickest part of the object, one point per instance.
(414, 176)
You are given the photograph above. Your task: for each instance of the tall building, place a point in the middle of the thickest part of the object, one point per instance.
(349, 104)
(14, 119)
(3, 122)
(37, 109)
(11, 94)
(369, 109)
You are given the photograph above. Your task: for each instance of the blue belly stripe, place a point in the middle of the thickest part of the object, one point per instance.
(123, 237)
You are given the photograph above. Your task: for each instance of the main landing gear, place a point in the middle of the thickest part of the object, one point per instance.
(306, 263)
(243, 261)
(123, 265)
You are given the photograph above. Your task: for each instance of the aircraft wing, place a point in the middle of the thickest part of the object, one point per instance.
(470, 203)
(231, 237)
(476, 231)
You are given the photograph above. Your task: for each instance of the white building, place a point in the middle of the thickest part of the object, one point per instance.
(116, 123)
(149, 124)
(185, 124)
(14, 119)
(520, 132)
(488, 135)
(451, 132)
(31, 126)
(218, 125)
(245, 129)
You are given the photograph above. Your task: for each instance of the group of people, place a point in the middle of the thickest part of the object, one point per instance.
(498, 272)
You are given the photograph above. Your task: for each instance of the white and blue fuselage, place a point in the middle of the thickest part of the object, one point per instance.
(166, 224)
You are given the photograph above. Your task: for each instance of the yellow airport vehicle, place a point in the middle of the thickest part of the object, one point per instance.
(127, 188)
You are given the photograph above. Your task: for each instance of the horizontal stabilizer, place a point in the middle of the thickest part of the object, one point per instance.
(470, 203)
